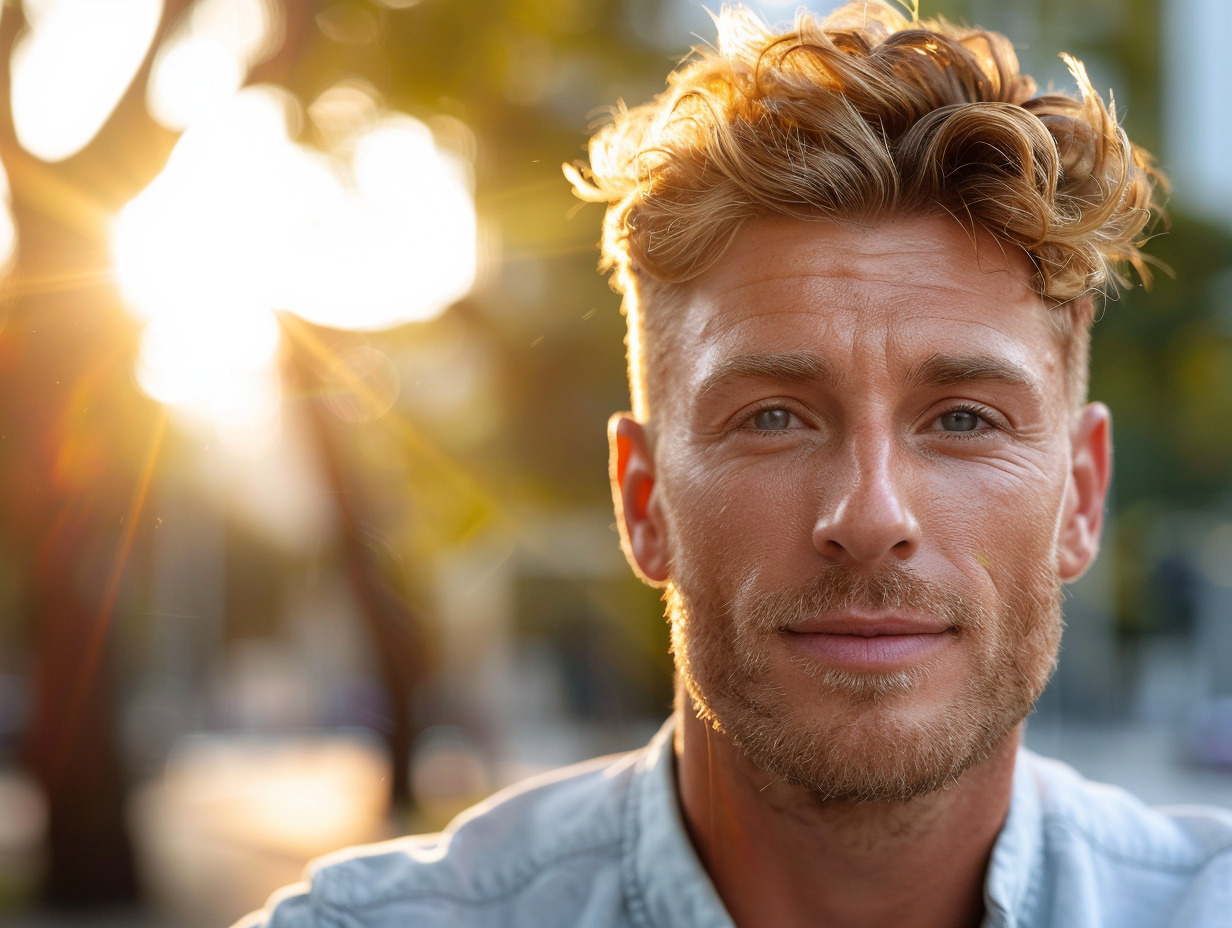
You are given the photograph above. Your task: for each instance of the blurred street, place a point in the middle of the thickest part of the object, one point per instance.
(1151, 761)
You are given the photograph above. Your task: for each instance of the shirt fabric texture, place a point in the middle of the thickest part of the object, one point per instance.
(603, 845)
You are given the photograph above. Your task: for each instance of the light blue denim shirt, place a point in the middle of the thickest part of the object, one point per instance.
(602, 845)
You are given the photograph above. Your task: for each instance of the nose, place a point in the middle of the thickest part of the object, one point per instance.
(866, 516)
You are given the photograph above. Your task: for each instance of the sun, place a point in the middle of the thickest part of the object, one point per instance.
(244, 221)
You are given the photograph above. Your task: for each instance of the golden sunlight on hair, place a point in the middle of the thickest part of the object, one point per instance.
(864, 114)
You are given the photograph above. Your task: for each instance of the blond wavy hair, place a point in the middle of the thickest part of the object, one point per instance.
(864, 115)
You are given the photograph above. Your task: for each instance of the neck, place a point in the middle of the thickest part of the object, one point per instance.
(779, 856)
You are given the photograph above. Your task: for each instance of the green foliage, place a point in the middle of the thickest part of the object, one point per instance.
(1162, 359)
(912, 7)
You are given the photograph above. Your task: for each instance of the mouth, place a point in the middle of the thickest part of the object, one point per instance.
(870, 645)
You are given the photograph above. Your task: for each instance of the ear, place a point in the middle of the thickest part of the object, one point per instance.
(1090, 473)
(643, 529)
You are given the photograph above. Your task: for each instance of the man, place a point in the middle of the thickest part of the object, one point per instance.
(859, 263)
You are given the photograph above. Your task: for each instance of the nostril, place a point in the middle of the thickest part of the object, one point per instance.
(866, 511)
(867, 533)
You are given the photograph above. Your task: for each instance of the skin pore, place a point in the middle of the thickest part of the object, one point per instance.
(862, 500)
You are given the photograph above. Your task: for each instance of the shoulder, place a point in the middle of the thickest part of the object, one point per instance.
(531, 849)
(1102, 852)
(1115, 824)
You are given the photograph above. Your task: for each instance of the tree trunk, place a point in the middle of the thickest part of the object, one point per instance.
(79, 451)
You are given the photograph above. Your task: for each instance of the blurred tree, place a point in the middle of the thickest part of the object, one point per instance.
(63, 416)
(81, 445)
(78, 445)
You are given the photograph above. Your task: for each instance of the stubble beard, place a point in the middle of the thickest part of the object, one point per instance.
(858, 736)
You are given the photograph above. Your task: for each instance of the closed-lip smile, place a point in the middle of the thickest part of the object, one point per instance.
(869, 643)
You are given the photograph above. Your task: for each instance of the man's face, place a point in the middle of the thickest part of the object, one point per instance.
(863, 498)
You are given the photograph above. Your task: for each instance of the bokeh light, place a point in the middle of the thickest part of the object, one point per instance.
(57, 107)
(399, 246)
(8, 231)
(244, 220)
(206, 58)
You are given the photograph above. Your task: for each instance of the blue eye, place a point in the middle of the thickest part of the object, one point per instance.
(959, 420)
(772, 420)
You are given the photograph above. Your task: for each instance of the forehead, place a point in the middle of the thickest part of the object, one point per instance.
(884, 295)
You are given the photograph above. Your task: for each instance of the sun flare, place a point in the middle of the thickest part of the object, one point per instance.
(244, 221)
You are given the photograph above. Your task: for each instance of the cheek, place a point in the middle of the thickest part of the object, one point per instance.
(742, 513)
(994, 521)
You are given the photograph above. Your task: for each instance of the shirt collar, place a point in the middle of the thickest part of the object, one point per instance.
(664, 881)
(667, 885)
(1012, 887)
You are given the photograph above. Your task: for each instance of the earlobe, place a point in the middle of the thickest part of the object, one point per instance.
(643, 531)
(1090, 474)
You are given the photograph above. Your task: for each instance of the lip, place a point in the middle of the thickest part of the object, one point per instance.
(868, 625)
(876, 645)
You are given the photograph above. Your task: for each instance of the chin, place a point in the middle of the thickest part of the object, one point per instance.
(868, 737)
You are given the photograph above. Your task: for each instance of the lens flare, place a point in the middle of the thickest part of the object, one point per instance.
(207, 56)
(245, 221)
(72, 65)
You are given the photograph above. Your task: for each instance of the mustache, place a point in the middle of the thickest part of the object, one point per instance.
(839, 589)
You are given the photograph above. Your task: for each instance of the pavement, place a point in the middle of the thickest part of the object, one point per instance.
(93, 918)
(1156, 762)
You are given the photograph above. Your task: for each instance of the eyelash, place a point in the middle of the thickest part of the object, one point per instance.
(983, 413)
(746, 421)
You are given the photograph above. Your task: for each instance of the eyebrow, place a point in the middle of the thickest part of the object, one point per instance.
(792, 367)
(948, 370)
(804, 367)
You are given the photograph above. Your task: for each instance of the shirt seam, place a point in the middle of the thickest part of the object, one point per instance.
(635, 897)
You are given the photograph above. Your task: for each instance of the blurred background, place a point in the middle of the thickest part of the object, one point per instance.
(305, 535)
